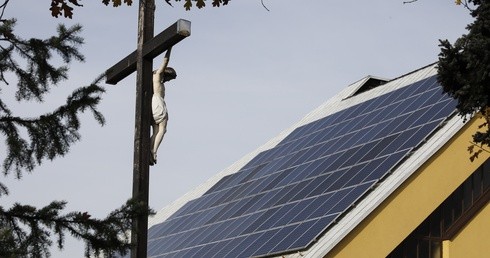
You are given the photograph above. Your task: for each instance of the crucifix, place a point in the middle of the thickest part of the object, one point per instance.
(141, 61)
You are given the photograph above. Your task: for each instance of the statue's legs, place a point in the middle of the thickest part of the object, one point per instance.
(159, 131)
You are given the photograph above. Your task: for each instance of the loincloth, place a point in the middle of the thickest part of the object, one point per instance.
(158, 108)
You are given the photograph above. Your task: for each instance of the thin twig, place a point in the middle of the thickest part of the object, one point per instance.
(262, 1)
(465, 4)
(3, 6)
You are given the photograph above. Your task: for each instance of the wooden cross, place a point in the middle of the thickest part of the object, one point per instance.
(151, 49)
(141, 61)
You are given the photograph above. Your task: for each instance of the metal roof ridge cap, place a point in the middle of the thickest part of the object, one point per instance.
(344, 95)
(431, 65)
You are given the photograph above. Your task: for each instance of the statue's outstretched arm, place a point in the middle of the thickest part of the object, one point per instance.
(165, 61)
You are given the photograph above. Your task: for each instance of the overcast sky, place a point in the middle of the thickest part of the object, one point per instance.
(244, 75)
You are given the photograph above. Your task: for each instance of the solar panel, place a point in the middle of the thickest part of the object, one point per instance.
(287, 196)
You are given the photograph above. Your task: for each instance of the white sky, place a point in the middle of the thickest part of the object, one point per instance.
(244, 75)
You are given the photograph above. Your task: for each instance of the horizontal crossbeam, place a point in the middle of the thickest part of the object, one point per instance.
(151, 49)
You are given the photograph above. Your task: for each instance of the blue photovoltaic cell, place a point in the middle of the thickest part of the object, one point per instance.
(287, 196)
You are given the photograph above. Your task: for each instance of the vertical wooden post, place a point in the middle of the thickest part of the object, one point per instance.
(141, 167)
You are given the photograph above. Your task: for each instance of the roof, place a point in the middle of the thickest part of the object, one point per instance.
(307, 188)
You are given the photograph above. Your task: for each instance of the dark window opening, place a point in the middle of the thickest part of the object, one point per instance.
(370, 83)
(449, 218)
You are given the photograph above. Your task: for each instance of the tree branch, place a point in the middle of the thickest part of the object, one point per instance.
(3, 7)
(30, 228)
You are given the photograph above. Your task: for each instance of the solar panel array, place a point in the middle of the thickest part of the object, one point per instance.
(286, 197)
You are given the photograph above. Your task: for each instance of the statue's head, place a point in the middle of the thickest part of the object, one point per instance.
(169, 74)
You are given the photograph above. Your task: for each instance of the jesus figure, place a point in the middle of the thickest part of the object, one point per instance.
(159, 109)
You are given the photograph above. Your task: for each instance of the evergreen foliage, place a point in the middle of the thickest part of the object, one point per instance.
(49, 135)
(27, 231)
(464, 68)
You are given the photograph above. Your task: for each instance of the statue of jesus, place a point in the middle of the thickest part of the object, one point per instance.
(159, 109)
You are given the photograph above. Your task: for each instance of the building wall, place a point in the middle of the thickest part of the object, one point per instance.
(473, 241)
(414, 200)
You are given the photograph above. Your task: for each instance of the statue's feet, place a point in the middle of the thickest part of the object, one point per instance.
(153, 159)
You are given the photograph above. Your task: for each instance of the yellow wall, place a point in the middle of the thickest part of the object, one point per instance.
(412, 202)
(473, 241)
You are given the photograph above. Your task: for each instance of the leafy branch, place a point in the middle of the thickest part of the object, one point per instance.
(25, 231)
(65, 7)
(49, 135)
(463, 69)
(38, 53)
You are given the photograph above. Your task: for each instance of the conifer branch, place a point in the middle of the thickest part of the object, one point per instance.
(49, 135)
(26, 231)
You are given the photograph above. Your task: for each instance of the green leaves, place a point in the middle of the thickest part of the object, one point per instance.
(187, 4)
(117, 3)
(463, 69)
(61, 7)
(64, 8)
(25, 231)
(50, 135)
(30, 141)
(36, 78)
(201, 3)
